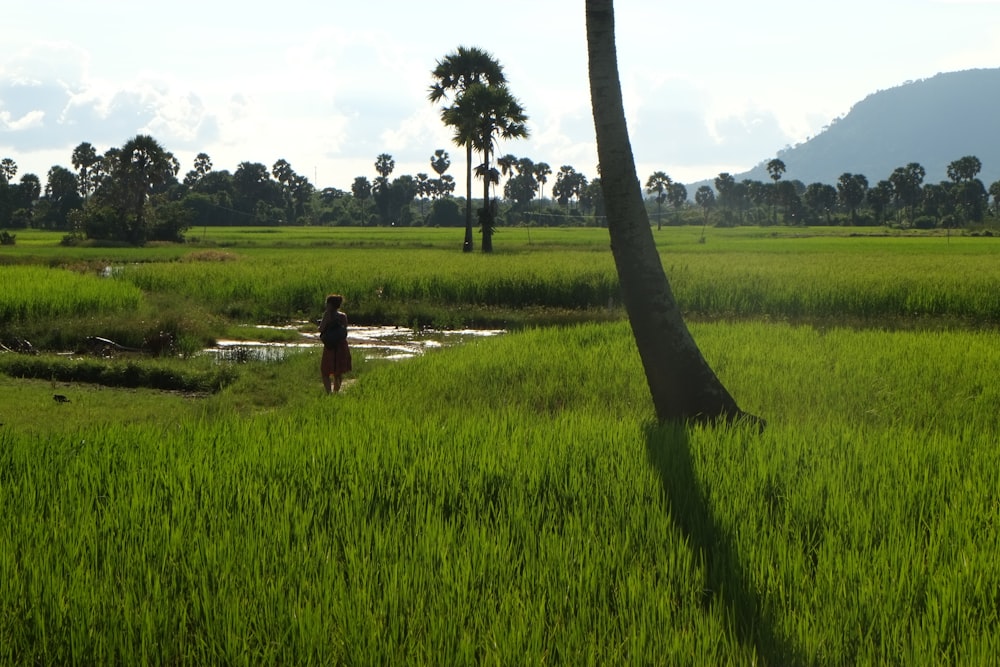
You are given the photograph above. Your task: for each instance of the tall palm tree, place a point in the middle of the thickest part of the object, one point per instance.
(453, 74)
(481, 116)
(682, 385)
(659, 183)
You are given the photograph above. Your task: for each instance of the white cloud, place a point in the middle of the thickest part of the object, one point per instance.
(32, 119)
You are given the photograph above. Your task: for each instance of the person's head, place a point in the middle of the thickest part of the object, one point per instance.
(334, 301)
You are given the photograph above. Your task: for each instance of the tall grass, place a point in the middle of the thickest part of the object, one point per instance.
(865, 283)
(391, 275)
(869, 281)
(512, 502)
(288, 283)
(39, 293)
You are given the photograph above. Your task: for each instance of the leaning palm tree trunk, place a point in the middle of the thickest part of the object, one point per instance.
(682, 384)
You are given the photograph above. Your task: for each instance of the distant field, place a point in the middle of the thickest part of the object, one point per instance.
(407, 275)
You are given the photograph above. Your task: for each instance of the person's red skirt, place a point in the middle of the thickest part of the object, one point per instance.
(336, 360)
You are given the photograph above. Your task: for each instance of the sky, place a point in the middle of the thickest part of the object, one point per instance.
(713, 86)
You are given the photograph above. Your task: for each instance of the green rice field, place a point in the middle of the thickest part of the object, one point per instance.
(510, 500)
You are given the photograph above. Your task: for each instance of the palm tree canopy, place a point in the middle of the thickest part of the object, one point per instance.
(144, 162)
(658, 182)
(458, 70)
(482, 115)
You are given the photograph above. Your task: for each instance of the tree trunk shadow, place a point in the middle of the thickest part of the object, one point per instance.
(726, 583)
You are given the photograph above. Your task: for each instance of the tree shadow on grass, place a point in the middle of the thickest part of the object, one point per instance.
(726, 583)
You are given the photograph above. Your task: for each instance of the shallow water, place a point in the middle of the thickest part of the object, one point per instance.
(393, 343)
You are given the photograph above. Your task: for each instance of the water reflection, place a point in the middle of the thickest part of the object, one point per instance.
(392, 343)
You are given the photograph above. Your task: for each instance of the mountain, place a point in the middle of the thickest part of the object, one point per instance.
(932, 122)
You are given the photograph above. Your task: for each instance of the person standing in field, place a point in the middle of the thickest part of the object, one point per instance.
(336, 352)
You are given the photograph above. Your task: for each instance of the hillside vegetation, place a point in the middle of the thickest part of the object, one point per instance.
(931, 122)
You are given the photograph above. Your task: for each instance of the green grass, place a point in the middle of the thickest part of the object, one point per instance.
(516, 505)
(407, 276)
(511, 500)
(39, 293)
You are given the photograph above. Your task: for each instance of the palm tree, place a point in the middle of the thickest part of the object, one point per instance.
(8, 170)
(440, 162)
(728, 189)
(851, 190)
(542, 171)
(995, 191)
(682, 385)
(775, 168)
(362, 191)
(906, 183)
(704, 197)
(384, 164)
(452, 76)
(424, 189)
(138, 169)
(202, 167)
(481, 116)
(659, 183)
(677, 195)
(964, 169)
(84, 157)
(507, 165)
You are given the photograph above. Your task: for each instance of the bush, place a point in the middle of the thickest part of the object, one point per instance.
(168, 221)
(445, 213)
(6, 238)
(103, 224)
(164, 376)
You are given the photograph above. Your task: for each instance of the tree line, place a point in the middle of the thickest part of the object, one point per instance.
(134, 193)
(903, 198)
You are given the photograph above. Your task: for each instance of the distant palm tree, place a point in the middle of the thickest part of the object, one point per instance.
(507, 164)
(775, 168)
(542, 171)
(384, 164)
(424, 189)
(85, 157)
(452, 76)
(8, 170)
(481, 116)
(139, 168)
(659, 183)
(440, 162)
(677, 195)
(704, 197)
(362, 191)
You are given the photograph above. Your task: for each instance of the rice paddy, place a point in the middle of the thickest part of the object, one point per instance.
(511, 500)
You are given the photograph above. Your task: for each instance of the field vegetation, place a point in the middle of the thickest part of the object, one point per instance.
(511, 500)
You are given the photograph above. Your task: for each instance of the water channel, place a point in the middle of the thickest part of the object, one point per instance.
(382, 342)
